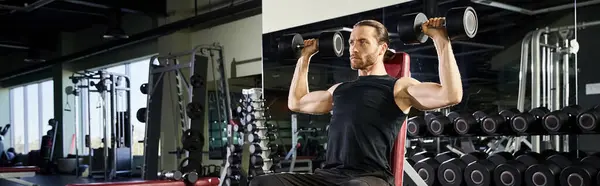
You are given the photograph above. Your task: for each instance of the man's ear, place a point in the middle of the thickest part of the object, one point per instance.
(383, 49)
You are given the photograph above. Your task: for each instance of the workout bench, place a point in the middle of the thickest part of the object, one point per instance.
(399, 66)
(14, 174)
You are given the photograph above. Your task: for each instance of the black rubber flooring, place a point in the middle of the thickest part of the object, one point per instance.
(60, 180)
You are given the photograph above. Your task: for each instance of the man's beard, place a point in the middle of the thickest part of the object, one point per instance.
(363, 63)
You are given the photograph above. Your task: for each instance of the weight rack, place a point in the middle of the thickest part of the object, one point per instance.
(254, 154)
(192, 116)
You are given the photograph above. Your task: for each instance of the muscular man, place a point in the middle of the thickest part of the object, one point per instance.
(367, 112)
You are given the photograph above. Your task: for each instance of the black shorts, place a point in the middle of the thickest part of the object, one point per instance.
(319, 178)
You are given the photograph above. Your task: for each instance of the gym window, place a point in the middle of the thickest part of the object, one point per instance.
(31, 106)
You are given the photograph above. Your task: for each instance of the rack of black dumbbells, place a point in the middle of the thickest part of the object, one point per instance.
(521, 166)
(256, 143)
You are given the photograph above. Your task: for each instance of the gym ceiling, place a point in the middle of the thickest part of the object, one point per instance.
(35, 26)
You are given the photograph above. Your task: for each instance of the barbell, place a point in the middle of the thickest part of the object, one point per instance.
(329, 44)
(460, 21)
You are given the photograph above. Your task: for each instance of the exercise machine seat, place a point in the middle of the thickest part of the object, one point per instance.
(19, 169)
(399, 66)
(208, 181)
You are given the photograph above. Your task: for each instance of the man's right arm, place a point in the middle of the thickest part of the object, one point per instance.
(301, 100)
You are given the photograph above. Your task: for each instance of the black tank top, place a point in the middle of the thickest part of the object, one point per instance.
(364, 125)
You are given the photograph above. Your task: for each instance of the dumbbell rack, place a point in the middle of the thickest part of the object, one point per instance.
(254, 129)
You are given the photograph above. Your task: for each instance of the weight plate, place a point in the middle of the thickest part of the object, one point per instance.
(287, 46)
(197, 81)
(194, 110)
(140, 115)
(409, 29)
(192, 140)
(461, 21)
(470, 22)
(331, 44)
(144, 88)
(297, 44)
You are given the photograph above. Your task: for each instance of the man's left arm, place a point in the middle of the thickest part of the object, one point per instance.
(429, 96)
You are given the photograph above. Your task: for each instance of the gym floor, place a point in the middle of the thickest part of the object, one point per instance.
(56, 180)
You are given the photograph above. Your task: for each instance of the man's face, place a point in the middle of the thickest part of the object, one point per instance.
(364, 47)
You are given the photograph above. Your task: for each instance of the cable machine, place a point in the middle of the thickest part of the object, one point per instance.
(114, 97)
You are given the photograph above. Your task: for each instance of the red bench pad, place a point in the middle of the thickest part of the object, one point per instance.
(19, 169)
(200, 182)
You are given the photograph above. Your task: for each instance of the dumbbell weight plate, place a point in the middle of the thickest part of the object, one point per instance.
(451, 172)
(479, 173)
(427, 167)
(511, 172)
(584, 173)
(331, 44)
(559, 121)
(409, 29)
(462, 21)
(288, 45)
(547, 173)
(416, 127)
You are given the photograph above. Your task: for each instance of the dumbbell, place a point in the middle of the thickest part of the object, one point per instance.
(267, 126)
(255, 138)
(458, 22)
(563, 120)
(469, 124)
(259, 161)
(548, 172)
(237, 127)
(256, 149)
(170, 175)
(233, 180)
(329, 44)
(251, 108)
(234, 159)
(417, 126)
(426, 165)
(588, 120)
(529, 123)
(236, 148)
(233, 171)
(479, 173)
(584, 173)
(451, 172)
(251, 117)
(498, 124)
(190, 177)
(442, 125)
(511, 173)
